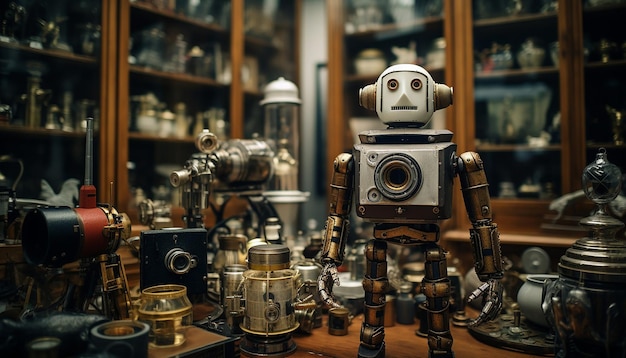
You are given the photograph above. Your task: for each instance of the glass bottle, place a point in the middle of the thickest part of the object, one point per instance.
(405, 304)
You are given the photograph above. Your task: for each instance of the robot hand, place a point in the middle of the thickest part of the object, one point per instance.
(327, 279)
(491, 291)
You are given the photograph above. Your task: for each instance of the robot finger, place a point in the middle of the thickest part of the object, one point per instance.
(482, 318)
(335, 276)
(328, 277)
(488, 313)
(326, 295)
(480, 291)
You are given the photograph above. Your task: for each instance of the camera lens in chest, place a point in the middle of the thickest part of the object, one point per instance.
(398, 177)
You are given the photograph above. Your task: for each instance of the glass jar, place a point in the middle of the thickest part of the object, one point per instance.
(405, 305)
(168, 311)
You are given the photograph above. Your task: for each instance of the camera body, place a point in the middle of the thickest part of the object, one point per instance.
(404, 175)
(174, 256)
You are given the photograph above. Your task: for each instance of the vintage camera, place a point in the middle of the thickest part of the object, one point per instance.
(174, 256)
(402, 177)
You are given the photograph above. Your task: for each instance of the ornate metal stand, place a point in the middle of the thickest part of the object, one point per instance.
(586, 306)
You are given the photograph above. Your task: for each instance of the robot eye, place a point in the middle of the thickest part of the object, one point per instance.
(392, 84)
(416, 84)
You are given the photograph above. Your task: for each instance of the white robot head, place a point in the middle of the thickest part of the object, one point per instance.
(405, 95)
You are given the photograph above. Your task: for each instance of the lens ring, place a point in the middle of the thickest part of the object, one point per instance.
(272, 312)
(178, 261)
(416, 84)
(398, 177)
(392, 84)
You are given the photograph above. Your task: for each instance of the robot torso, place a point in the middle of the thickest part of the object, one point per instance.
(404, 175)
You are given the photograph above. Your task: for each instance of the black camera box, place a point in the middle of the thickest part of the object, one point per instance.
(174, 256)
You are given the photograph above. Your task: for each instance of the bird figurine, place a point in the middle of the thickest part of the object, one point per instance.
(617, 206)
(68, 196)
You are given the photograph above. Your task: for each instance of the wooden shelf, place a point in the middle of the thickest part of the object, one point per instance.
(515, 239)
(518, 73)
(146, 9)
(156, 138)
(611, 64)
(182, 78)
(42, 132)
(488, 147)
(514, 20)
(392, 30)
(46, 54)
(598, 145)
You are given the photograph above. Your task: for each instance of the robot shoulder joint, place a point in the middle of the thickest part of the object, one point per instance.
(469, 162)
(343, 163)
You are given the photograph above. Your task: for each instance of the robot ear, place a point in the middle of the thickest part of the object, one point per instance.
(443, 96)
(367, 97)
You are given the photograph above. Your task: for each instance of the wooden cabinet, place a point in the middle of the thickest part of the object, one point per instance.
(270, 51)
(534, 94)
(603, 62)
(53, 77)
(182, 69)
(151, 73)
(573, 124)
(172, 80)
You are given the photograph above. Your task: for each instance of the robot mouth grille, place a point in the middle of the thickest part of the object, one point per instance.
(403, 108)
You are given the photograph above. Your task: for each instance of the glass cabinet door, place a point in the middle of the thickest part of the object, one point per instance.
(50, 83)
(604, 53)
(270, 52)
(517, 98)
(178, 80)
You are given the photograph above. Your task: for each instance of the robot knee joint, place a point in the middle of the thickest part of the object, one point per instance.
(374, 315)
(440, 288)
(375, 290)
(436, 254)
(372, 337)
(440, 341)
(376, 251)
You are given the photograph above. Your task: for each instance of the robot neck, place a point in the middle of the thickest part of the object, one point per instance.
(398, 125)
(405, 136)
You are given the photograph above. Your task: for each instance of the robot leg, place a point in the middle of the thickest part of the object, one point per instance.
(437, 289)
(376, 285)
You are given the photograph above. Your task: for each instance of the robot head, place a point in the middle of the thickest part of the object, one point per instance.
(405, 95)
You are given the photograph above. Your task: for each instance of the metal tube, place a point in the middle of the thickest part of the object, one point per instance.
(89, 153)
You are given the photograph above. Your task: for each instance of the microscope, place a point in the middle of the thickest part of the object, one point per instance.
(402, 177)
(238, 166)
(186, 255)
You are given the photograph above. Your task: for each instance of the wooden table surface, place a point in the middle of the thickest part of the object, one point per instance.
(400, 339)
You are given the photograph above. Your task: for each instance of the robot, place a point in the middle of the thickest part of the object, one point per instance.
(403, 178)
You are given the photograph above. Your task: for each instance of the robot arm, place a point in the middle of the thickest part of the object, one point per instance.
(337, 226)
(484, 235)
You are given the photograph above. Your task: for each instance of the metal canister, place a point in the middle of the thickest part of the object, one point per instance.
(231, 294)
(338, 321)
(269, 292)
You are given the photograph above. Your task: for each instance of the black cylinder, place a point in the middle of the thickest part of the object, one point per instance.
(51, 236)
